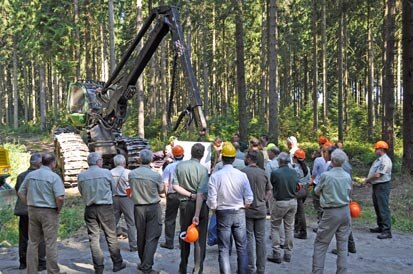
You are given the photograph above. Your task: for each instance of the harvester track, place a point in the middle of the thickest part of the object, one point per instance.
(71, 156)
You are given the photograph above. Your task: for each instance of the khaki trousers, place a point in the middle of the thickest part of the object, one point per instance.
(283, 211)
(43, 222)
(334, 222)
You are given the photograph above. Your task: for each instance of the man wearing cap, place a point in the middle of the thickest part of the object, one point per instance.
(285, 182)
(43, 192)
(95, 187)
(191, 182)
(229, 193)
(334, 190)
(122, 203)
(146, 186)
(172, 198)
(21, 211)
(256, 213)
(380, 177)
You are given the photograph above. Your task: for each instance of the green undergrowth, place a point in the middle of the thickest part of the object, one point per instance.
(71, 220)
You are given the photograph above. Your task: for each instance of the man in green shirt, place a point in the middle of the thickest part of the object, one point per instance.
(191, 182)
(95, 186)
(380, 177)
(146, 186)
(284, 181)
(334, 190)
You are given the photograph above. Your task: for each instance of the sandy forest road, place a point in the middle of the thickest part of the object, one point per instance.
(373, 256)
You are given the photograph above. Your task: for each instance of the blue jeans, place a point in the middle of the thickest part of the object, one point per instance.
(232, 222)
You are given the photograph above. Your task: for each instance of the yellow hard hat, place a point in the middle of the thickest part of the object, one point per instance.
(228, 150)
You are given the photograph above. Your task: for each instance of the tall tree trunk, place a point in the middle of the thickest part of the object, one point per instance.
(407, 36)
(26, 97)
(140, 100)
(111, 30)
(42, 93)
(306, 80)
(77, 37)
(388, 77)
(87, 42)
(272, 77)
(264, 65)
(340, 72)
(323, 62)
(104, 76)
(164, 88)
(242, 93)
(2, 101)
(314, 65)
(370, 75)
(15, 87)
(34, 93)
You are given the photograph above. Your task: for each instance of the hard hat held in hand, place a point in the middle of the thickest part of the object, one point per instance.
(228, 150)
(355, 209)
(190, 235)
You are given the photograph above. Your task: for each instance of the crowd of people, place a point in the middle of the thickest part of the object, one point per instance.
(247, 183)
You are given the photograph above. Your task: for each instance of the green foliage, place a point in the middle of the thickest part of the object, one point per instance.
(71, 220)
(71, 217)
(9, 227)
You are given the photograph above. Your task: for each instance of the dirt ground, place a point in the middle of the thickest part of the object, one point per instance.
(373, 256)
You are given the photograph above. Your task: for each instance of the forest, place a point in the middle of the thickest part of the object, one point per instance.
(339, 68)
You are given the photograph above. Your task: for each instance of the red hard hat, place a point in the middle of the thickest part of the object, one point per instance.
(299, 154)
(177, 151)
(322, 140)
(381, 144)
(355, 209)
(190, 235)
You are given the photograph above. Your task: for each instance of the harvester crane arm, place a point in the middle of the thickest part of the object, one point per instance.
(121, 85)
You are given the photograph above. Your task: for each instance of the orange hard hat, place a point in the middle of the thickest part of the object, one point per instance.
(381, 144)
(190, 235)
(355, 209)
(322, 140)
(327, 145)
(299, 154)
(177, 151)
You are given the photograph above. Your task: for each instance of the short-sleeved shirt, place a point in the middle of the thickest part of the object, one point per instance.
(146, 185)
(120, 180)
(320, 165)
(95, 186)
(271, 166)
(192, 176)
(334, 188)
(229, 188)
(168, 175)
(284, 182)
(42, 187)
(260, 184)
(303, 179)
(382, 165)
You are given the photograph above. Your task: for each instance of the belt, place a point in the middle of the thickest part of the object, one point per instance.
(43, 207)
(99, 205)
(147, 204)
(333, 207)
(121, 196)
